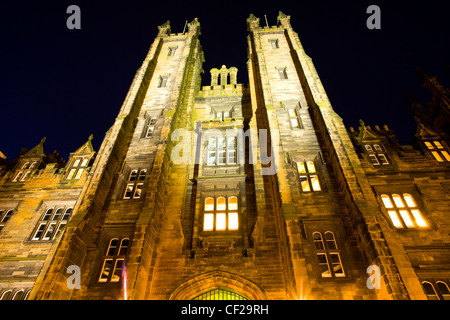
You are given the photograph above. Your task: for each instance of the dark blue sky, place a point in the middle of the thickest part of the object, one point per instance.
(67, 84)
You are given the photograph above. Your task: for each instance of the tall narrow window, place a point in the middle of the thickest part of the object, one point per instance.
(437, 149)
(309, 179)
(403, 211)
(218, 216)
(282, 73)
(231, 150)
(328, 256)
(443, 290)
(430, 291)
(52, 223)
(274, 43)
(376, 154)
(114, 260)
(295, 120)
(162, 81)
(135, 184)
(172, 51)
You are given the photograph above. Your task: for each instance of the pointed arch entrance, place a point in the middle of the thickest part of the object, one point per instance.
(218, 285)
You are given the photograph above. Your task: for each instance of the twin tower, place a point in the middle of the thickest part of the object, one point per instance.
(220, 224)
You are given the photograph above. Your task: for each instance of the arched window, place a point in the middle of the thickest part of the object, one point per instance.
(114, 260)
(133, 175)
(67, 214)
(318, 241)
(330, 241)
(18, 295)
(25, 165)
(142, 174)
(232, 203)
(443, 289)
(368, 148)
(7, 215)
(221, 203)
(430, 291)
(58, 214)
(5, 295)
(209, 204)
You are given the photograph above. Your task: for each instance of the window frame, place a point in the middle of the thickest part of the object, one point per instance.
(404, 214)
(376, 153)
(322, 249)
(116, 256)
(77, 166)
(232, 216)
(438, 149)
(307, 175)
(47, 220)
(135, 183)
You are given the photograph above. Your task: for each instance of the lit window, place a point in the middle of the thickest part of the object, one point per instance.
(295, 120)
(233, 221)
(403, 215)
(218, 216)
(209, 204)
(134, 187)
(309, 180)
(77, 168)
(221, 221)
(208, 221)
(377, 157)
(221, 203)
(438, 150)
(232, 203)
(114, 260)
(25, 165)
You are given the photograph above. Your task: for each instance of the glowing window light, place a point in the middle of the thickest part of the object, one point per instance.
(208, 222)
(232, 203)
(446, 155)
(209, 204)
(398, 201)
(315, 183)
(233, 221)
(301, 167)
(395, 220)
(406, 218)
(419, 220)
(221, 223)
(386, 201)
(437, 156)
(221, 203)
(409, 200)
(311, 167)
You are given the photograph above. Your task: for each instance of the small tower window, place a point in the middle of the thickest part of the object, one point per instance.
(309, 179)
(172, 51)
(282, 73)
(52, 223)
(134, 187)
(295, 119)
(162, 81)
(114, 260)
(274, 43)
(437, 149)
(329, 260)
(376, 154)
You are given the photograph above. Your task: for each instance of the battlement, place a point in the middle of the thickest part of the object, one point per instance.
(222, 90)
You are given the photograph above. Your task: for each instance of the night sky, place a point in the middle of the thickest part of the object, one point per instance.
(67, 84)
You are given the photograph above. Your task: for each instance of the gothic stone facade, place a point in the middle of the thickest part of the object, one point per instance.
(257, 191)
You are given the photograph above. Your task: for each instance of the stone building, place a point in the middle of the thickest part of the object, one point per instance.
(228, 191)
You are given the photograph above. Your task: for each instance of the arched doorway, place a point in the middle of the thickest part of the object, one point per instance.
(218, 285)
(220, 294)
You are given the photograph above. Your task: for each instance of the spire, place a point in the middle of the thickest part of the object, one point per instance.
(284, 20)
